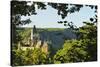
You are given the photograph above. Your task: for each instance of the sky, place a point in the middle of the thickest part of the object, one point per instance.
(48, 18)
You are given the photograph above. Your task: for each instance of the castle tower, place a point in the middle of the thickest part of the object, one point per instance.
(33, 31)
(34, 36)
(45, 47)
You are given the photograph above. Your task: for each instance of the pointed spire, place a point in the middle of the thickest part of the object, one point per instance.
(34, 29)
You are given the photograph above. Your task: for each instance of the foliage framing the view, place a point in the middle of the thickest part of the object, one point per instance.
(82, 49)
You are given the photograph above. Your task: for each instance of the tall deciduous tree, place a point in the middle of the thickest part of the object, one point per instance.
(82, 49)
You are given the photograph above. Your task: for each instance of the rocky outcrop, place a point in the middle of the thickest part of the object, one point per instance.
(57, 38)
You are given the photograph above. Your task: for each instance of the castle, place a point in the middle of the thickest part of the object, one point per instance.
(34, 42)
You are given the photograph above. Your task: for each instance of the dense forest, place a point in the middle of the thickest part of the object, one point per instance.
(81, 49)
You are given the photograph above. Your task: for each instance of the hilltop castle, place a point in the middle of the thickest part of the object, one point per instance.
(35, 42)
